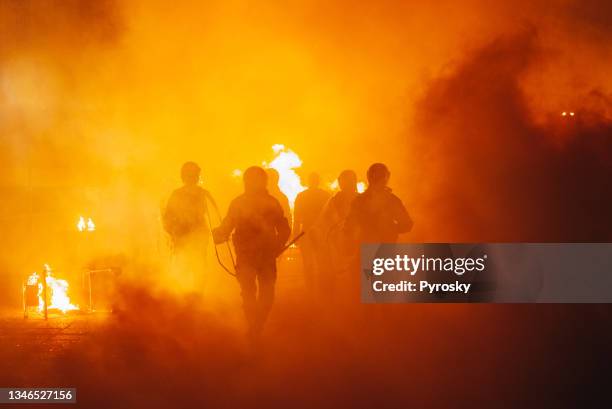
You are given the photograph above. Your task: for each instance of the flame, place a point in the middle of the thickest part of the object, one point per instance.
(86, 226)
(285, 161)
(81, 224)
(57, 292)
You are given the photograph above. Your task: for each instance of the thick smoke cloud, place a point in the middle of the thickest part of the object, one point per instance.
(491, 171)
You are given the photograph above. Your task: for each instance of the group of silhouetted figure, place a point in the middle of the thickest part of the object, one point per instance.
(329, 229)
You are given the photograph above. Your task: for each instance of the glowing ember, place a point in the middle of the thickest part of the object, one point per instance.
(86, 226)
(57, 292)
(285, 162)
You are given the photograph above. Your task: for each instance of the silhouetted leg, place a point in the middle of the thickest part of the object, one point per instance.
(248, 289)
(266, 280)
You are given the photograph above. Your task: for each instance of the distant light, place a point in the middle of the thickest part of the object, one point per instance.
(563, 113)
(81, 226)
(86, 226)
(571, 114)
(236, 173)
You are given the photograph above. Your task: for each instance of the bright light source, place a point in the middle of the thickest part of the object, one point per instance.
(57, 291)
(86, 226)
(285, 162)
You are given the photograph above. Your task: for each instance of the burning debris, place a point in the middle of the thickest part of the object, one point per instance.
(47, 293)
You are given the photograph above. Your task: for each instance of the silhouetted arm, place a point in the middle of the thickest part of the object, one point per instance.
(402, 218)
(283, 230)
(170, 215)
(298, 216)
(352, 223)
(287, 209)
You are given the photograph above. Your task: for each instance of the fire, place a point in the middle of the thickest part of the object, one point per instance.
(86, 226)
(57, 292)
(285, 162)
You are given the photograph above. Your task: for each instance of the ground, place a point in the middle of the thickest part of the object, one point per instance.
(166, 351)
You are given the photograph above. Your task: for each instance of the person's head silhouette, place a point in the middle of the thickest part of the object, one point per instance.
(314, 180)
(255, 179)
(378, 175)
(347, 181)
(190, 173)
(273, 178)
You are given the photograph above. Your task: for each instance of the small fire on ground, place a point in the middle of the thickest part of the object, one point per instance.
(57, 292)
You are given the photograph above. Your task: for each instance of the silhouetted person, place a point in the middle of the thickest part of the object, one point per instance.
(260, 232)
(184, 218)
(334, 216)
(309, 205)
(377, 215)
(338, 207)
(274, 190)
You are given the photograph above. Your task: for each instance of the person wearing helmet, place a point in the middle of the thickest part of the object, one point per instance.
(260, 231)
(185, 220)
(334, 217)
(377, 215)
